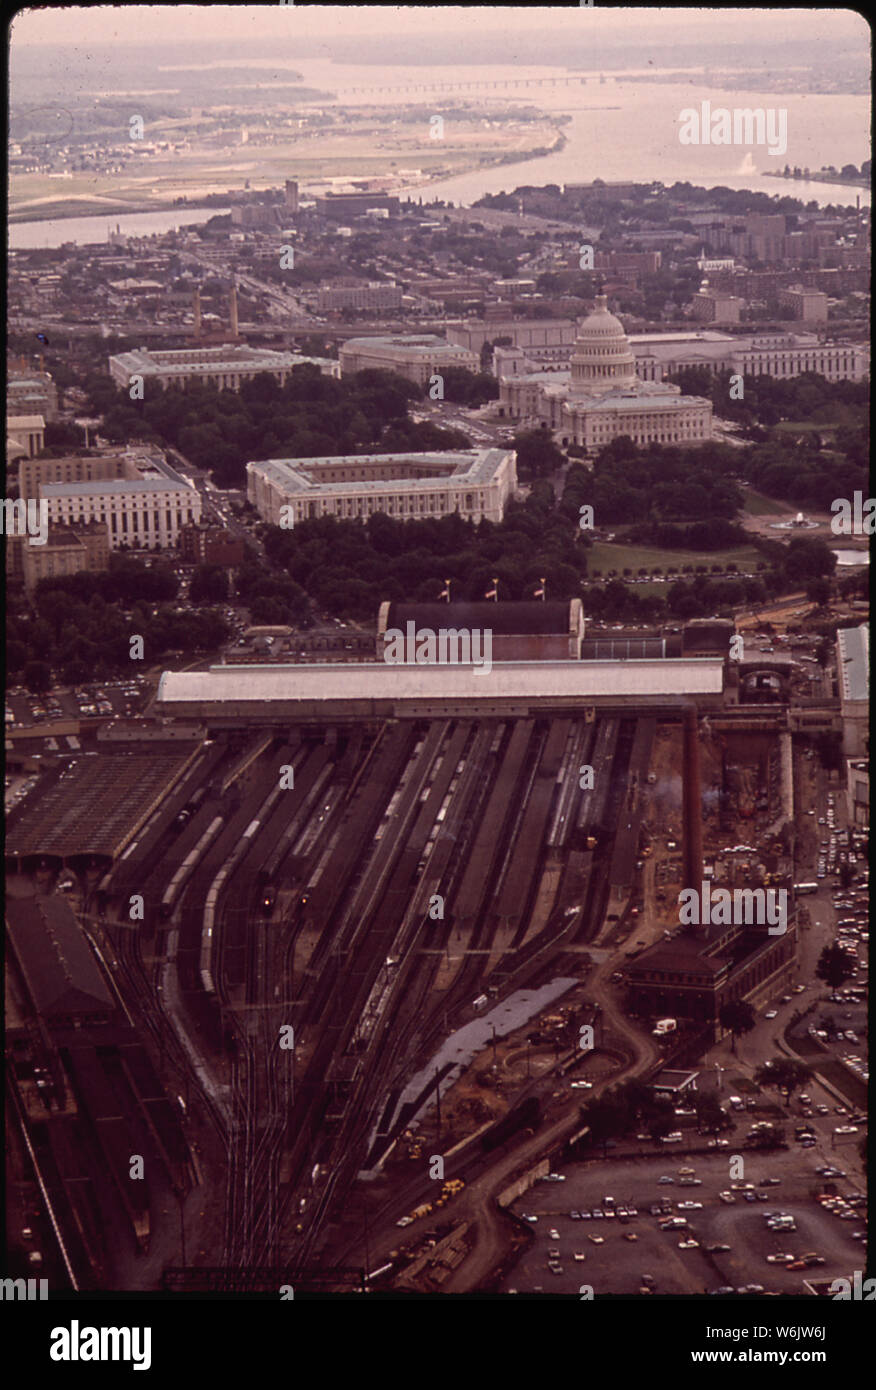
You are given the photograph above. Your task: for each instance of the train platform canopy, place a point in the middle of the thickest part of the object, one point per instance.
(93, 804)
(61, 974)
(381, 689)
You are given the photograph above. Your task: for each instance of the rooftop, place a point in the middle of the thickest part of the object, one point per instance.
(91, 805)
(25, 422)
(502, 618)
(624, 648)
(224, 358)
(121, 487)
(55, 959)
(424, 344)
(684, 955)
(854, 662)
(467, 468)
(525, 680)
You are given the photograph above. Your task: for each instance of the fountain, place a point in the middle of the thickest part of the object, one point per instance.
(799, 523)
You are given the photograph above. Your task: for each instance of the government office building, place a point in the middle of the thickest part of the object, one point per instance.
(475, 484)
(225, 367)
(602, 396)
(415, 356)
(148, 514)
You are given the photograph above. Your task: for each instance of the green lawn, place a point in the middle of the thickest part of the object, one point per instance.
(758, 505)
(607, 556)
(805, 426)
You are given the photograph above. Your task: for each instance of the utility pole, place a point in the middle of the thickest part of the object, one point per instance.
(181, 1195)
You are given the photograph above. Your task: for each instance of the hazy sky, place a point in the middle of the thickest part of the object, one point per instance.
(197, 24)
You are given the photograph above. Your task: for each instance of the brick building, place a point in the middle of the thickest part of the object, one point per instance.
(520, 631)
(210, 545)
(68, 550)
(692, 976)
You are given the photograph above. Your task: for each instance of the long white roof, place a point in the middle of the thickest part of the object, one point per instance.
(383, 681)
(854, 664)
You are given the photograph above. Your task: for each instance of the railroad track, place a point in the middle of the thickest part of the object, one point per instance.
(362, 874)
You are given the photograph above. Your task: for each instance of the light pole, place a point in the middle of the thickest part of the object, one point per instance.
(181, 1198)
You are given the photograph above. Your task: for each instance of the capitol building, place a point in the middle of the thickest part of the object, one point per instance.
(601, 396)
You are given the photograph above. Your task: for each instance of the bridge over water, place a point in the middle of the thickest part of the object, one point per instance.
(479, 84)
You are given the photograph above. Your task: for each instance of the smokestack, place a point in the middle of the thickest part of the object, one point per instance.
(196, 306)
(692, 860)
(232, 311)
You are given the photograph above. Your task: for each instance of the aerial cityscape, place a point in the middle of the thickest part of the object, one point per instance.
(437, 532)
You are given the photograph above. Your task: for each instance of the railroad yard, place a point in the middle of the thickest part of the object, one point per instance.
(352, 908)
(351, 965)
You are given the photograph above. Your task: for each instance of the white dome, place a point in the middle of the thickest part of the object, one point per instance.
(600, 323)
(602, 359)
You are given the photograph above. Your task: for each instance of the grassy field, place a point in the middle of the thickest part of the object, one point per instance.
(758, 505)
(604, 556)
(804, 426)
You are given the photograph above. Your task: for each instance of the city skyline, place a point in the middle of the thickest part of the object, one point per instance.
(437, 531)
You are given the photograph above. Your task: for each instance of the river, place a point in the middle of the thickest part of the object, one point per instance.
(624, 127)
(82, 231)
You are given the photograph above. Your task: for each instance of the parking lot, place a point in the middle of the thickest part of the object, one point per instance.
(87, 701)
(613, 1253)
